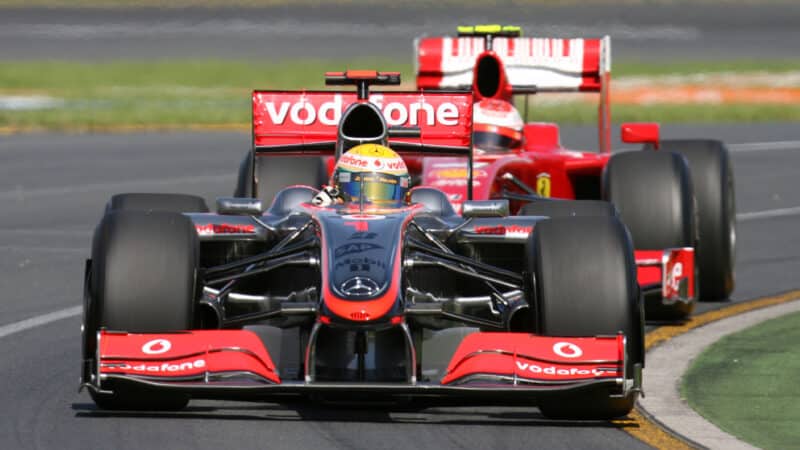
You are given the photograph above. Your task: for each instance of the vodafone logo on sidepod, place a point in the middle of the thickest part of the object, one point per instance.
(395, 113)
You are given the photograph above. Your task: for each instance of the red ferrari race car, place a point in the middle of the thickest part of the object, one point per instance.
(367, 289)
(674, 196)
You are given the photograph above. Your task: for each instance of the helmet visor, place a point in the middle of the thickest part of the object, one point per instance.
(494, 142)
(376, 188)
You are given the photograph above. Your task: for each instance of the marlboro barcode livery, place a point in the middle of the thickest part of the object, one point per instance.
(363, 290)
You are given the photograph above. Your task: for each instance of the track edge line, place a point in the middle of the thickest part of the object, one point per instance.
(656, 433)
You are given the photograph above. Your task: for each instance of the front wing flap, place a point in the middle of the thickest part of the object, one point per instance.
(487, 367)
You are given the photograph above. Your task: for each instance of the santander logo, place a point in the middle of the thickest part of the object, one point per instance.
(330, 112)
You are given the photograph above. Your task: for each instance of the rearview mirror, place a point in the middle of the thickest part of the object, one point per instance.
(239, 206)
(641, 133)
(485, 208)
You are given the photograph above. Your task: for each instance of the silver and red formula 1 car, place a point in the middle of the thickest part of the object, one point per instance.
(678, 199)
(345, 303)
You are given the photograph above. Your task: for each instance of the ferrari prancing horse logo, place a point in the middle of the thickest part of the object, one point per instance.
(543, 184)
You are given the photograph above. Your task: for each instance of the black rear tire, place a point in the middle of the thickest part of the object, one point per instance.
(712, 177)
(585, 283)
(157, 202)
(653, 194)
(265, 176)
(142, 279)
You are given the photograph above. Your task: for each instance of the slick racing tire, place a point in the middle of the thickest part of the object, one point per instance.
(568, 208)
(653, 193)
(273, 173)
(157, 202)
(584, 282)
(142, 279)
(712, 178)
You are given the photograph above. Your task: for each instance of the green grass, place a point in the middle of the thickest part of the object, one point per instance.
(163, 94)
(179, 93)
(747, 384)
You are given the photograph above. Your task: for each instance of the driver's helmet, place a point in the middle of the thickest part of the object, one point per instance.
(373, 172)
(497, 126)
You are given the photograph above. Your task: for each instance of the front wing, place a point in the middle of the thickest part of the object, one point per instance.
(668, 274)
(486, 368)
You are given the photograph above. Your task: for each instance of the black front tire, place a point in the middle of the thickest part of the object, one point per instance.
(143, 280)
(712, 177)
(584, 278)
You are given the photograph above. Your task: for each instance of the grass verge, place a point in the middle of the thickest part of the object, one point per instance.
(164, 94)
(746, 383)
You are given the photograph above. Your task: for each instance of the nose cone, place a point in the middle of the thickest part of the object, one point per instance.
(357, 287)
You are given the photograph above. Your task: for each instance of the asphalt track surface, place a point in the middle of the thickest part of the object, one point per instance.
(52, 192)
(682, 30)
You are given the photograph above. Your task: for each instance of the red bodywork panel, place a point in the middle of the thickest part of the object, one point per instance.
(549, 171)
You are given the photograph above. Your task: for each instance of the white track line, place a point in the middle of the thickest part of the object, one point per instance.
(761, 146)
(755, 215)
(44, 319)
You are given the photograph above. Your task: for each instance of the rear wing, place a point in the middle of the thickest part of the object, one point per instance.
(552, 65)
(308, 121)
(531, 65)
